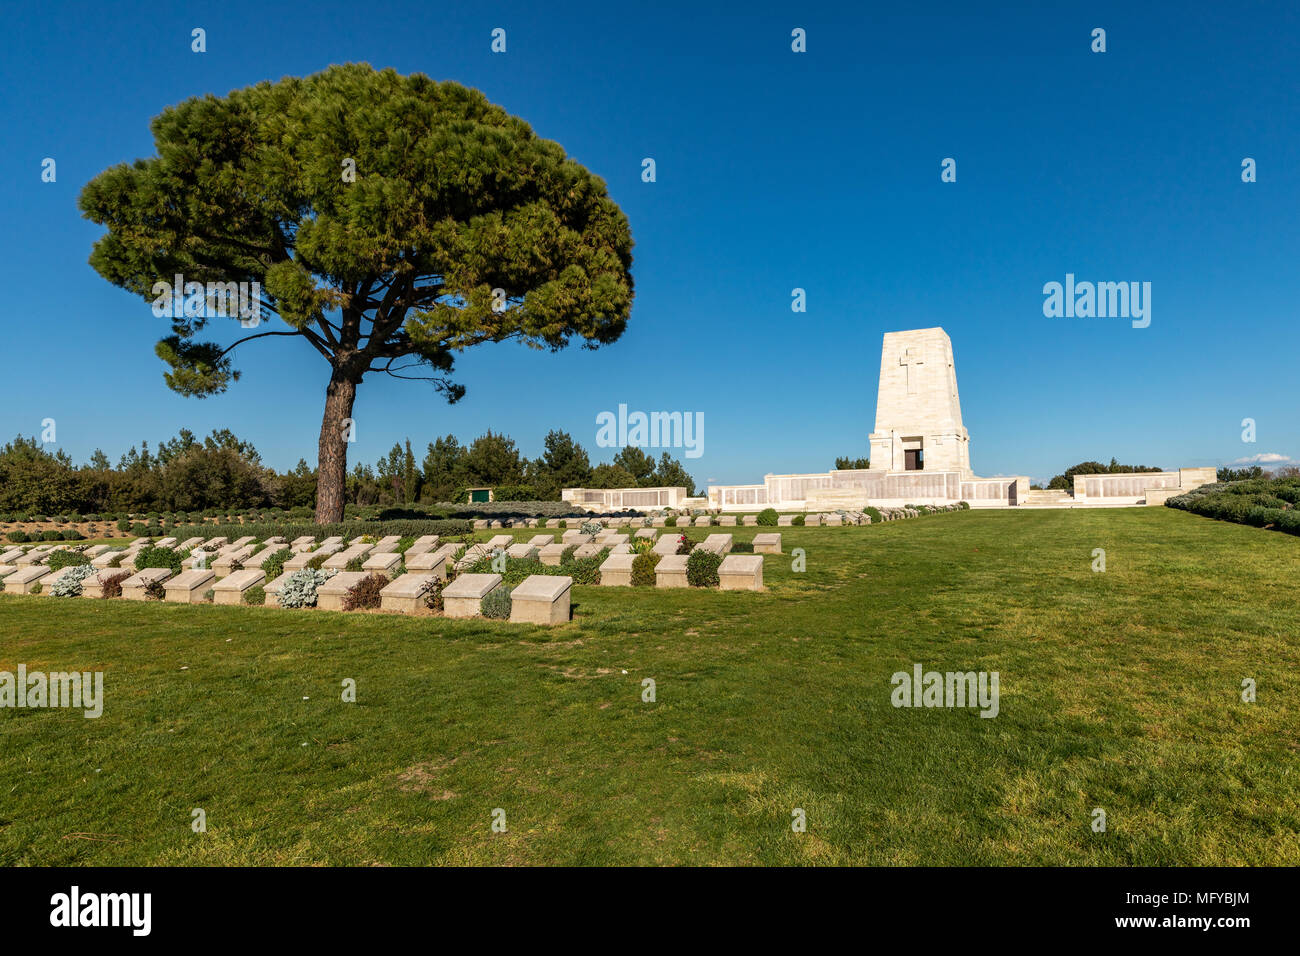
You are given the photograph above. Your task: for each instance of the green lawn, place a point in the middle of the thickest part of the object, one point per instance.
(1119, 690)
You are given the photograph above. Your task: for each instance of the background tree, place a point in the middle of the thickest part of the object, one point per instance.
(1066, 481)
(851, 464)
(564, 464)
(636, 463)
(444, 469)
(392, 269)
(493, 460)
(671, 474)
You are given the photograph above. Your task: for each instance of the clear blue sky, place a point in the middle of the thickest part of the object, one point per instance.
(776, 170)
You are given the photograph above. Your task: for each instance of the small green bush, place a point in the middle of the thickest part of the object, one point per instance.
(798, 521)
(153, 557)
(255, 596)
(51, 535)
(496, 604)
(124, 525)
(874, 513)
(355, 564)
(18, 537)
(643, 569)
(768, 517)
(62, 558)
(702, 569)
(274, 565)
(72, 534)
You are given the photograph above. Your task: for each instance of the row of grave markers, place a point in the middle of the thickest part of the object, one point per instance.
(231, 568)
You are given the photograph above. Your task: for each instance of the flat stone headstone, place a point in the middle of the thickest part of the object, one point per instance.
(168, 542)
(521, 552)
(717, 543)
(32, 557)
(133, 588)
(407, 593)
(302, 543)
(329, 596)
(620, 548)
(551, 554)
(464, 596)
(243, 542)
(299, 560)
(833, 521)
(341, 559)
(751, 521)
(473, 554)
(385, 562)
(230, 590)
(667, 544)
(273, 588)
(7, 555)
(502, 541)
(495, 523)
(785, 521)
(617, 570)
(541, 540)
(480, 524)
(741, 572)
(428, 563)
(541, 599)
(812, 521)
(188, 587)
(650, 533)
(213, 543)
(332, 539)
(658, 522)
(727, 521)
(260, 559)
(572, 534)
(279, 541)
(703, 521)
(189, 544)
(767, 543)
(587, 550)
(427, 539)
(387, 544)
(670, 572)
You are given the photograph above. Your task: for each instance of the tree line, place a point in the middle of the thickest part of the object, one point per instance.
(224, 472)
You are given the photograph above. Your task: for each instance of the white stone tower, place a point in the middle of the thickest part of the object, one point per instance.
(918, 414)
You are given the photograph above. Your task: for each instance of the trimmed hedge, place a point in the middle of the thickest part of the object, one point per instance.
(702, 568)
(404, 528)
(1261, 502)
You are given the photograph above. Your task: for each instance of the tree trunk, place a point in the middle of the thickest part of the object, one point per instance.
(335, 429)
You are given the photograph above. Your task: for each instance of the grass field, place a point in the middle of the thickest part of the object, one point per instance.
(1119, 690)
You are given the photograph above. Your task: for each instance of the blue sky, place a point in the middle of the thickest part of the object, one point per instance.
(775, 170)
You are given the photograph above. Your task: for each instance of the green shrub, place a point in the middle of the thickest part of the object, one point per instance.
(72, 534)
(702, 569)
(670, 521)
(798, 521)
(63, 558)
(584, 570)
(256, 595)
(274, 565)
(153, 557)
(768, 517)
(18, 537)
(355, 564)
(51, 536)
(70, 584)
(496, 604)
(684, 544)
(124, 525)
(643, 569)
(742, 547)
(154, 591)
(874, 514)
(315, 563)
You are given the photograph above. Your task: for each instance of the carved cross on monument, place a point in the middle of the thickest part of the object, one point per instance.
(908, 359)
